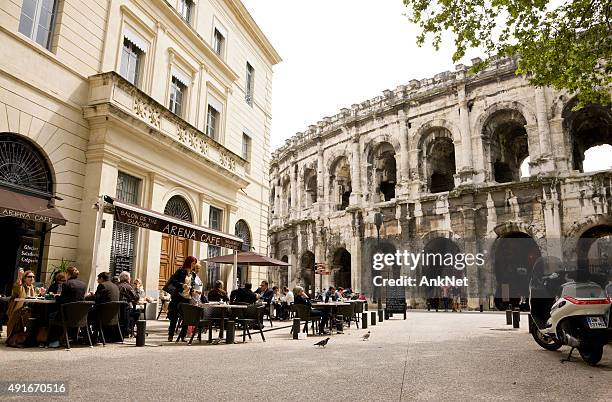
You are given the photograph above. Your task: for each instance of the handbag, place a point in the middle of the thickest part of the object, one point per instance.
(170, 286)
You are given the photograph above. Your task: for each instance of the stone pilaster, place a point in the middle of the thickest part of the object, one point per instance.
(404, 164)
(356, 192)
(545, 162)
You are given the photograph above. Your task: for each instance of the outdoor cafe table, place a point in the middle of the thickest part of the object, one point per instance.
(224, 309)
(42, 307)
(331, 306)
(35, 300)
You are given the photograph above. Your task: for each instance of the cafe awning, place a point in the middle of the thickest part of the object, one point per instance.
(147, 219)
(249, 258)
(23, 206)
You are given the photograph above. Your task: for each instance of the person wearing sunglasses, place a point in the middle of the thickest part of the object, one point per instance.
(24, 287)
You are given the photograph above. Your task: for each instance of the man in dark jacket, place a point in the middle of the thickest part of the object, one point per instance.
(106, 291)
(72, 291)
(244, 295)
(126, 290)
(264, 292)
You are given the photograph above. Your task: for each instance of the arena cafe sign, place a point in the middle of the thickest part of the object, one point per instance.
(151, 220)
(30, 216)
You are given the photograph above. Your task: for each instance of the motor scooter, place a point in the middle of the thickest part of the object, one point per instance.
(569, 309)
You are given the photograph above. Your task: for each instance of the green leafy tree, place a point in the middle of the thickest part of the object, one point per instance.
(563, 44)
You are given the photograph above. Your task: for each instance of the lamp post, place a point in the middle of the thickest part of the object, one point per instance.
(378, 221)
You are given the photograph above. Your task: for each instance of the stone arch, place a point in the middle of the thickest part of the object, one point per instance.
(333, 156)
(340, 182)
(505, 141)
(584, 129)
(579, 231)
(307, 271)
(285, 194)
(381, 171)
(309, 182)
(504, 229)
(341, 268)
(433, 234)
(436, 158)
(184, 195)
(512, 257)
(24, 163)
(526, 112)
(375, 142)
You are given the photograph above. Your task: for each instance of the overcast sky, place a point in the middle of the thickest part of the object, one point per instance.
(340, 52)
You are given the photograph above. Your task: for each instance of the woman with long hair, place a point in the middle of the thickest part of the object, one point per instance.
(24, 287)
(180, 280)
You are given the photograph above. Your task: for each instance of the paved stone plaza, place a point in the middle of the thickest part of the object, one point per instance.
(435, 356)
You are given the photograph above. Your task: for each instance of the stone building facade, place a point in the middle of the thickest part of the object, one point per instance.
(444, 161)
(162, 104)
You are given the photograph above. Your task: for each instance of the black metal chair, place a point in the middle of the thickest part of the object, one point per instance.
(193, 316)
(358, 310)
(107, 315)
(253, 314)
(212, 316)
(346, 312)
(302, 312)
(74, 315)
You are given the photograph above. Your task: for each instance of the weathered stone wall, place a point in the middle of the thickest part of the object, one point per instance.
(458, 141)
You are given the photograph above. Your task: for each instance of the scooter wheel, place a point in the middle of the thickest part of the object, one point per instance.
(591, 354)
(547, 342)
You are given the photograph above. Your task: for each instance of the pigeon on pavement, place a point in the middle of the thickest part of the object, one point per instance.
(366, 336)
(322, 343)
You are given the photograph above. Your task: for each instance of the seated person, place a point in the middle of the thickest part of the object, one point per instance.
(264, 292)
(277, 302)
(302, 298)
(331, 294)
(106, 290)
(217, 293)
(72, 291)
(142, 296)
(129, 295)
(244, 295)
(24, 287)
(58, 282)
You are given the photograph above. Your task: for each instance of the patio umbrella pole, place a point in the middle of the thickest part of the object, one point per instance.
(235, 270)
(96, 245)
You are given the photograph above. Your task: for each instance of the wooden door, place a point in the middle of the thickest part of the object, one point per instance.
(173, 252)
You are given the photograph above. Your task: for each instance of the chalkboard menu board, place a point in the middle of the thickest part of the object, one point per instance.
(28, 253)
(395, 302)
(122, 263)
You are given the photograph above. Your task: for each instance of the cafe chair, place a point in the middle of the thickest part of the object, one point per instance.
(107, 315)
(357, 311)
(303, 313)
(212, 316)
(74, 315)
(346, 312)
(194, 316)
(248, 317)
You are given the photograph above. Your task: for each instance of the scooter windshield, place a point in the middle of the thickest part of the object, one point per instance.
(582, 290)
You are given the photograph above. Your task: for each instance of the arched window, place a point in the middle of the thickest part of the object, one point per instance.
(23, 166)
(178, 207)
(242, 230)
